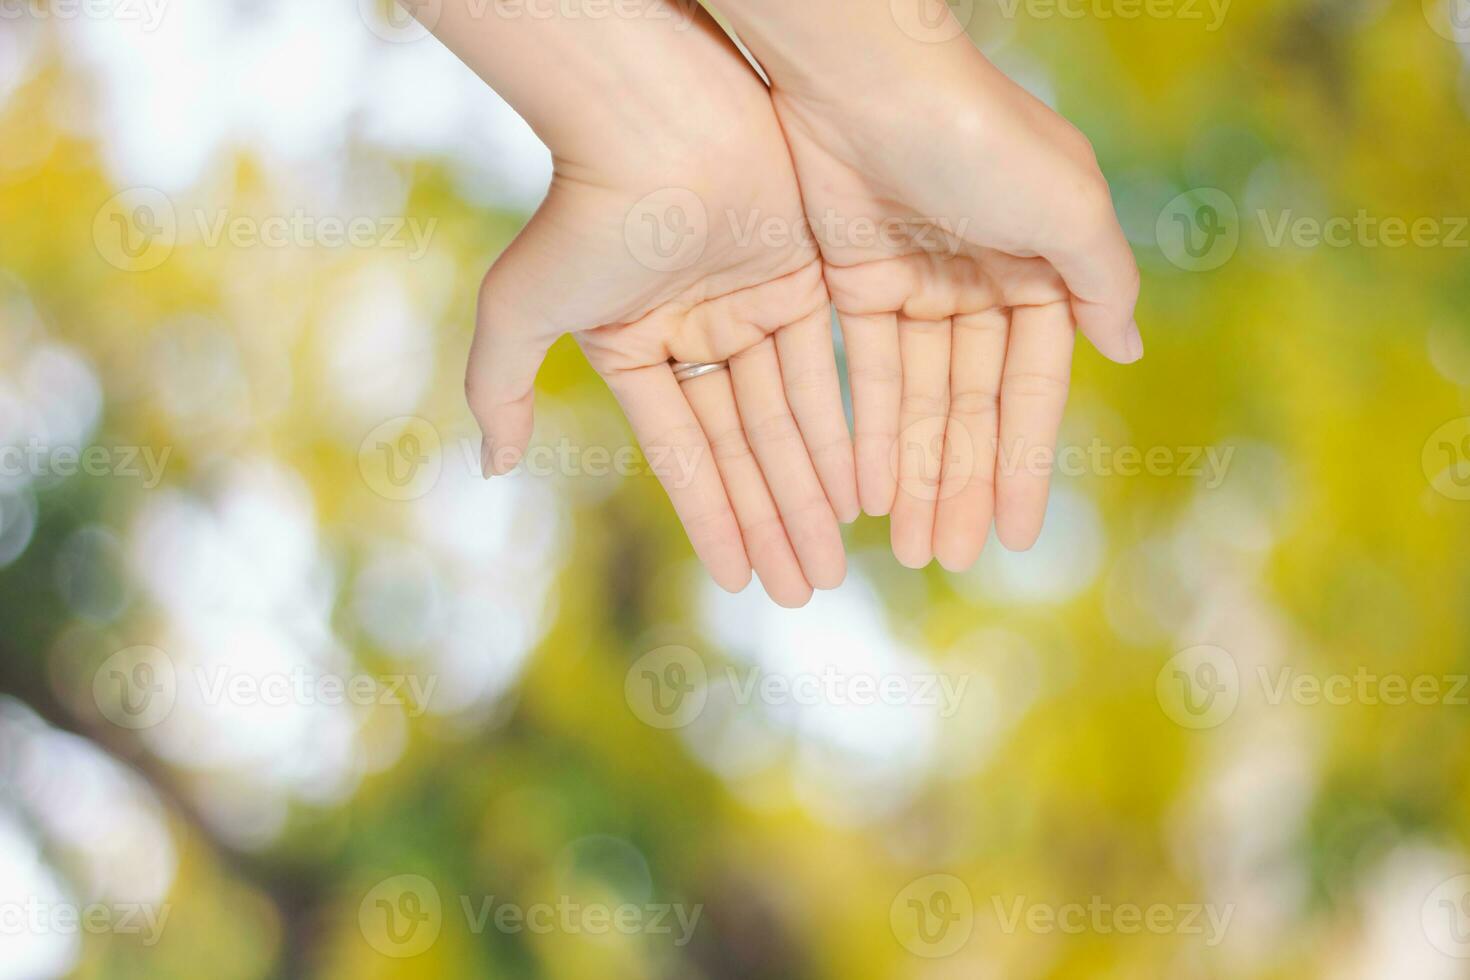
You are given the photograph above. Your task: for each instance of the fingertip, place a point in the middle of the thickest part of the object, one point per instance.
(877, 501)
(830, 575)
(956, 556)
(842, 495)
(845, 505)
(779, 573)
(503, 459)
(911, 553)
(828, 566)
(1114, 349)
(1119, 343)
(732, 580)
(727, 561)
(505, 433)
(839, 481)
(877, 484)
(1133, 341)
(1017, 537)
(794, 599)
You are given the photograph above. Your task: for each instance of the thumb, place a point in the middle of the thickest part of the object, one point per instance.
(512, 336)
(1098, 267)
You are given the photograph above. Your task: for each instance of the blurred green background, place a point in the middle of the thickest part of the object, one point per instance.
(287, 690)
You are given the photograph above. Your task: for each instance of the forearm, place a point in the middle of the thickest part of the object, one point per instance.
(815, 48)
(604, 84)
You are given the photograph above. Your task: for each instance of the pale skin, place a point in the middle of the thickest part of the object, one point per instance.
(958, 330)
(959, 341)
(773, 469)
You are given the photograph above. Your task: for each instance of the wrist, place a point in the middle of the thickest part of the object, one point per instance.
(632, 85)
(841, 50)
(675, 120)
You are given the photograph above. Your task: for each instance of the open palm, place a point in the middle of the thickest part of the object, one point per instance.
(962, 247)
(647, 264)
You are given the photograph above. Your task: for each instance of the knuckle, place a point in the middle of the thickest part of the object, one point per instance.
(975, 401)
(924, 405)
(803, 383)
(777, 428)
(1083, 146)
(834, 445)
(687, 434)
(1132, 282)
(705, 525)
(729, 445)
(1097, 199)
(1034, 384)
(874, 374)
(876, 439)
(994, 321)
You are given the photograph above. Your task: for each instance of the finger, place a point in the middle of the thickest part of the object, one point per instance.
(713, 400)
(875, 375)
(924, 352)
(1033, 394)
(809, 373)
(500, 384)
(678, 452)
(967, 485)
(776, 441)
(513, 332)
(1101, 274)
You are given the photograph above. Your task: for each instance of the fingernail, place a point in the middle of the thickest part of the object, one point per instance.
(1134, 341)
(487, 452)
(509, 457)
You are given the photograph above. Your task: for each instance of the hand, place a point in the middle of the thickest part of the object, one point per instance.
(965, 230)
(638, 251)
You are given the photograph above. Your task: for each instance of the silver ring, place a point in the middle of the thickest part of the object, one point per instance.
(688, 370)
